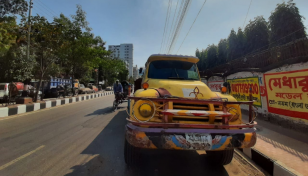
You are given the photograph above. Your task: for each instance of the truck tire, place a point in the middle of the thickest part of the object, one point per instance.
(131, 154)
(223, 157)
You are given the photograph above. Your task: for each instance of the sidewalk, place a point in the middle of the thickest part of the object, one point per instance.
(287, 147)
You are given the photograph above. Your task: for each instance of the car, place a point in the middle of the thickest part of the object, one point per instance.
(84, 90)
(108, 88)
(174, 110)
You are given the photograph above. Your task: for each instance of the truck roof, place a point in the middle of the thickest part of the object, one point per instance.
(185, 58)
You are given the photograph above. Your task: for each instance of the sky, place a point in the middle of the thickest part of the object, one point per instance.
(141, 22)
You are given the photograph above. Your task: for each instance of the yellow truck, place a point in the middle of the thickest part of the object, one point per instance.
(175, 110)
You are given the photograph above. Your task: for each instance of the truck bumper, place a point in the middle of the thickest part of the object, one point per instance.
(190, 139)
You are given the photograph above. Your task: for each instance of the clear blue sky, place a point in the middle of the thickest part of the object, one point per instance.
(141, 22)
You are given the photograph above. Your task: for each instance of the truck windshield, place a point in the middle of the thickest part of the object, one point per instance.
(173, 70)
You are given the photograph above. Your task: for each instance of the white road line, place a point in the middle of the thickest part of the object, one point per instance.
(20, 158)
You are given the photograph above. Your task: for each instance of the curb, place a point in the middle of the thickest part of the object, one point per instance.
(6, 111)
(273, 167)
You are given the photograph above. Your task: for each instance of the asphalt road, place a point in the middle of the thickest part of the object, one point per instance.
(87, 138)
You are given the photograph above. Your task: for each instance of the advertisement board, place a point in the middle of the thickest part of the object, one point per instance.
(215, 85)
(240, 89)
(287, 93)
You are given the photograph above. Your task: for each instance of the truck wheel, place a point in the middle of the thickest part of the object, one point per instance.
(223, 157)
(131, 154)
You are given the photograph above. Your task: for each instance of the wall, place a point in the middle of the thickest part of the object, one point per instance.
(215, 83)
(285, 101)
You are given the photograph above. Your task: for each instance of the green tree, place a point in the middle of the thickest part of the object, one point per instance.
(222, 51)
(286, 24)
(241, 43)
(46, 41)
(212, 56)
(232, 45)
(257, 35)
(13, 7)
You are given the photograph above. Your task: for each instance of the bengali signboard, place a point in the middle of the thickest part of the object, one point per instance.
(287, 93)
(240, 89)
(215, 85)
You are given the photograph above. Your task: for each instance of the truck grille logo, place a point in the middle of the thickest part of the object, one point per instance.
(196, 92)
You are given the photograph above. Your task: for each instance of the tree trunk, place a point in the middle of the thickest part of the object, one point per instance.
(38, 87)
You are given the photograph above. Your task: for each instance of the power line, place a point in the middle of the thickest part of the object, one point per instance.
(171, 29)
(168, 21)
(247, 14)
(180, 23)
(45, 9)
(41, 12)
(165, 27)
(53, 12)
(192, 25)
(272, 42)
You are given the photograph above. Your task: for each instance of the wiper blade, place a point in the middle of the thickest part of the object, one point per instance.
(175, 78)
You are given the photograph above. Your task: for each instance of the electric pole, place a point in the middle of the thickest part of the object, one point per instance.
(29, 28)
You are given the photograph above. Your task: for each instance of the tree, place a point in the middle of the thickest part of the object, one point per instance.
(222, 51)
(241, 42)
(46, 41)
(212, 56)
(232, 45)
(286, 24)
(257, 35)
(15, 7)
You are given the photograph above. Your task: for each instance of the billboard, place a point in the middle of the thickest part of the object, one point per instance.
(240, 89)
(215, 85)
(287, 93)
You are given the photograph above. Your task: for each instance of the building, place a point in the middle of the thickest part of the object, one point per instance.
(124, 52)
(135, 72)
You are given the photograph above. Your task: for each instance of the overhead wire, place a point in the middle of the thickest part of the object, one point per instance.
(171, 29)
(53, 12)
(40, 11)
(179, 24)
(165, 27)
(44, 8)
(191, 25)
(247, 14)
(166, 35)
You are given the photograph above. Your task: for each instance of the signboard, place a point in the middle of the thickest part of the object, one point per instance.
(240, 89)
(215, 85)
(287, 93)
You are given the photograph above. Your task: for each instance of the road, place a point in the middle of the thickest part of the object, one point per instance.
(87, 138)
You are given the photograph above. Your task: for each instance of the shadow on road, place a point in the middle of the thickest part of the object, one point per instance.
(108, 158)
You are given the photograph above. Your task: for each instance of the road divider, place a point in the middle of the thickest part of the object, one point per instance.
(48, 103)
(273, 167)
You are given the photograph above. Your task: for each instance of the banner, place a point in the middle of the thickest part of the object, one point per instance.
(215, 85)
(240, 89)
(287, 93)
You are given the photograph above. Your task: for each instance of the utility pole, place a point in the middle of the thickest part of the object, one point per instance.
(29, 28)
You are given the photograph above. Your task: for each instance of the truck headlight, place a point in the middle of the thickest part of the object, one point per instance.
(146, 110)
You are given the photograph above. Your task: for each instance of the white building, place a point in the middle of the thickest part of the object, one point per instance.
(124, 52)
(135, 73)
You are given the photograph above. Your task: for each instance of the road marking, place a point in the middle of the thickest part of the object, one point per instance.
(20, 158)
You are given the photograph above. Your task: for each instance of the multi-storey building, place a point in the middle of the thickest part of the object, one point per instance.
(124, 52)
(135, 72)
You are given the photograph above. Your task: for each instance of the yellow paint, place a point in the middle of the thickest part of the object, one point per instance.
(20, 158)
(241, 93)
(185, 59)
(212, 116)
(142, 135)
(182, 112)
(247, 139)
(172, 145)
(288, 87)
(227, 142)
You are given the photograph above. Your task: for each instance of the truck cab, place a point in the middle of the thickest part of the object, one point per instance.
(175, 110)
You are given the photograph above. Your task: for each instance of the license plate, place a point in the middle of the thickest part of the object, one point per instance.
(195, 139)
